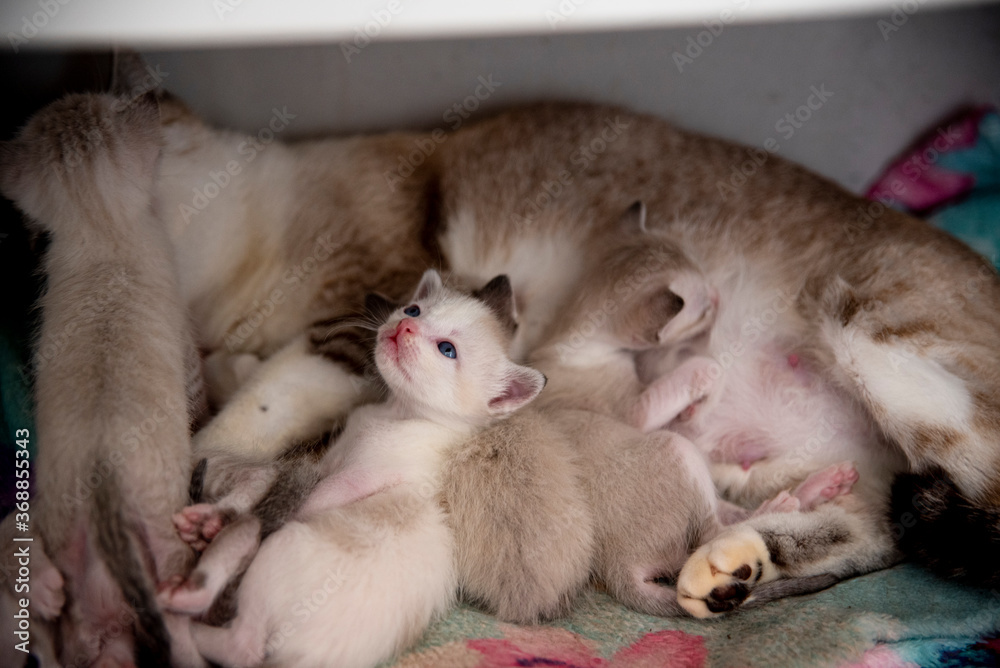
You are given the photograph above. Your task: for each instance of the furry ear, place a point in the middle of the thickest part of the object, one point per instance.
(634, 218)
(378, 307)
(646, 320)
(132, 76)
(498, 295)
(521, 386)
(430, 283)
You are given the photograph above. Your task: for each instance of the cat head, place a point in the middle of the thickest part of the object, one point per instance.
(444, 353)
(648, 293)
(97, 150)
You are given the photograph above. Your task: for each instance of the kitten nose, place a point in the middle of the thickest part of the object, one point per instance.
(406, 326)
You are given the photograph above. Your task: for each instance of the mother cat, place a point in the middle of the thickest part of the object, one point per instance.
(269, 239)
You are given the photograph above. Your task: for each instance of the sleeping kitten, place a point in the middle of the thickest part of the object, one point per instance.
(370, 547)
(113, 421)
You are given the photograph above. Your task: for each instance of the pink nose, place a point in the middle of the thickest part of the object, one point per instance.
(406, 326)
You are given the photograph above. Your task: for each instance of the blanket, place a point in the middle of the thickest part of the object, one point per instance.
(896, 618)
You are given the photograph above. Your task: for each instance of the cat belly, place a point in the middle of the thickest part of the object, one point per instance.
(776, 410)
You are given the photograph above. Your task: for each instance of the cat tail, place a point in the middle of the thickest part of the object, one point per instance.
(121, 550)
(940, 528)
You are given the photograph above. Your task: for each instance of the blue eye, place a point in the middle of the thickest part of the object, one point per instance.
(447, 349)
(412, 311)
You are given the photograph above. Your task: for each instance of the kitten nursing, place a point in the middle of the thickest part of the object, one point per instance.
(893, 330)
(372, 539)
(107, 483)
(649, 497)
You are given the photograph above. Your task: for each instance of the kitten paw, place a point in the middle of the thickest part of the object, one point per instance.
(721, 574)
(784, 502)
(186, 596)
(827, 484)
(197, 525)
(47, 593)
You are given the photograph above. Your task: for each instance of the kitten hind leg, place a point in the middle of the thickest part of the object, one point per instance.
(240, 645)
(227, 556)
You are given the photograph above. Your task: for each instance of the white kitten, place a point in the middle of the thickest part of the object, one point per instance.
(368, 560)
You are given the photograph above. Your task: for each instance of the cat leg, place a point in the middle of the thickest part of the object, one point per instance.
(343, 488)
(293, 396)
(242, 644)
(840, 539)
(227, 556)
(198, 524)
(675, 395)
(934, 397)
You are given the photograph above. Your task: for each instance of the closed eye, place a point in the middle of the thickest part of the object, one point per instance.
(412, 310)
(447, 349)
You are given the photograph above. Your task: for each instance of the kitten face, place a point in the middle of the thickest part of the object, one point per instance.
(445, 353)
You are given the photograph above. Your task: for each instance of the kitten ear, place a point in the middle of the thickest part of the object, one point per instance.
(634, 218)
(521, 386)
(648, 319)
(378, 307)
(430, 283)
(498, 295)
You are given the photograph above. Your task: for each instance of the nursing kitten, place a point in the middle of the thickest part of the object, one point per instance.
(111, 361)
(591, 496)
(372, 538)
(753, 404)
(651, 495)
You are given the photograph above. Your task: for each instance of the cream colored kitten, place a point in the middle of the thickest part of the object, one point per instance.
(372, 536)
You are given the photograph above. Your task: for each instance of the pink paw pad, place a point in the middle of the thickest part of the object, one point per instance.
(827, 484)
(782, 503)
(197, 525)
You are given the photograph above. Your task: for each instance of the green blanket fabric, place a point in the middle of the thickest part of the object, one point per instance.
(898, 617)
